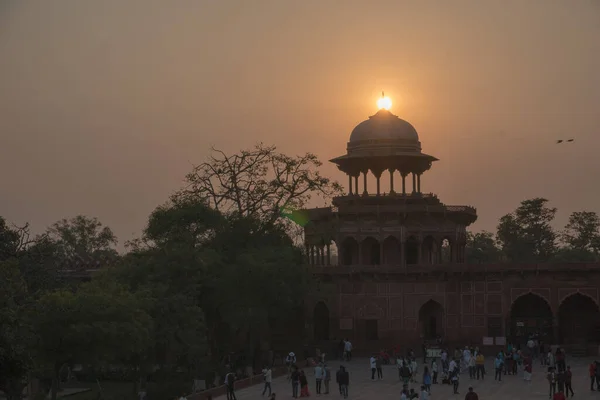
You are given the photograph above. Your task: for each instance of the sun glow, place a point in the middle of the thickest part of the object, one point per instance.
(384, 102)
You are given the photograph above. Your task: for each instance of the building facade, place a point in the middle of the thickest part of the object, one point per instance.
(400, 274)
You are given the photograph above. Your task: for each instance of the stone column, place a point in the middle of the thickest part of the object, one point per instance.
(365, 183)
(391, 181)
(414, 185)
(350, 185)
(312, 255)
(403, 182)
(322, 250)
(419, 183)
(355, 184)
(403, 254)
(360, 258)
(420, 247)
(378, 185)
(307, 248)
(328, 254)
(453, 252)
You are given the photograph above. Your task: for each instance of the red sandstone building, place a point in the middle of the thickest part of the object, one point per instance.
(400, 275)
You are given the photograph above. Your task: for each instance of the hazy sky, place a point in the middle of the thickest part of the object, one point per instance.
(104, 105)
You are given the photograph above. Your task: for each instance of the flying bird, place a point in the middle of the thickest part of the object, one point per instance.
(559, 141)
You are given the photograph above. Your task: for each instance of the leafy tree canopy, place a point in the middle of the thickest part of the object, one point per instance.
(526, 235)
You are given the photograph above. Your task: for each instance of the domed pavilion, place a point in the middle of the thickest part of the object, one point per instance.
(400, 227)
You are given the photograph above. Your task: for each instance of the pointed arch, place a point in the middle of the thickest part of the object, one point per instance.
(349, 251)
(446, 251)
(579, 320)
(412, 250)
(321, 321)
(391, 251)
(370, 250)
(530, 314)
(431, 320)
(430, 250)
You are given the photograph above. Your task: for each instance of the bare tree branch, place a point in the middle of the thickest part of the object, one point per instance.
(258, 182)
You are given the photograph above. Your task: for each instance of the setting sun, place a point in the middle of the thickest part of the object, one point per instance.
(384, 102)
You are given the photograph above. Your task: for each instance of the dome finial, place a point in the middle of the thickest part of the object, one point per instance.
(384, 102)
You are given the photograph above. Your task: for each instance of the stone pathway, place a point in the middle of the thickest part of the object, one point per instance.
(363, 388)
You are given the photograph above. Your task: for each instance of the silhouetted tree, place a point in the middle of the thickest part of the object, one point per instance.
(526, 235)
(257, 183)
(482, 248)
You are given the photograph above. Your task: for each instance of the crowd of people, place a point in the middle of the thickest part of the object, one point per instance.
(445, 368)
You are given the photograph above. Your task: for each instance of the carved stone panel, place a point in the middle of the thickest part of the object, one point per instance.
(452, 304)
(452, 322)
(466, 287)
(395, 288)
(395, 306)
(410, 324)
(479, 321)
(479, 303)
(479, 286)
(467, 321)
(467, 304)
(346, 306)
(396, 324)
(372, 308)
(494, 304)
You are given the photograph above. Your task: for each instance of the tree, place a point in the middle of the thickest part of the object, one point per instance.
(15, 339)
(526, 235)
(481, 248)
(257, 183)
(13, 239)
(244, 274)
(100, 322)
(82, 243)
(582, 232)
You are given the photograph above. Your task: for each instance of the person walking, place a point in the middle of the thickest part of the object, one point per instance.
(318, 377)
(592, 371)
(268, 377)
(326, 377)
(230, 384)
(471, 395)
(373, 363)
(344, 381)
(527, 369)
(568, 384)
(434, 372)
(295, 378)
(498, 365)
(480, 365)
(378, 365)
(427, 379)
(551, 377)
(304, 392)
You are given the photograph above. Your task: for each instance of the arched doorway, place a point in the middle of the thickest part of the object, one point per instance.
(431, 320)
(446, 251)
(371, 254)
(429, 249)
(412, 251)
(579, 320)
(349, 253)
(391, 251)
(530, 314)
(321, 321)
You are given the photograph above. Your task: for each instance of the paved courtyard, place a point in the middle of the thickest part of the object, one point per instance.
(363, 388)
